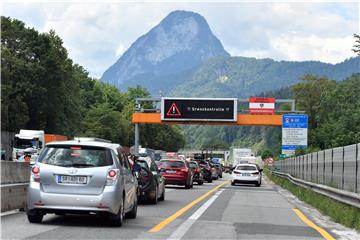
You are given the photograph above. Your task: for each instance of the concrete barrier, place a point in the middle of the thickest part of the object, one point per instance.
(13, 196)
(15, 177)
(14, 172)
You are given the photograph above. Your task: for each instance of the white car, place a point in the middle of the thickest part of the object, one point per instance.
(246, 173)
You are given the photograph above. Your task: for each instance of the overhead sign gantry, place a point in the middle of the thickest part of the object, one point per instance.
(209, 111)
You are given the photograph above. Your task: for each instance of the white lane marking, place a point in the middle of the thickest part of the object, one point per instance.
(185, 226)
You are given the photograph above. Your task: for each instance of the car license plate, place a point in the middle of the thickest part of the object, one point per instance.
(246, 174)
(71, 179)
(170, 171)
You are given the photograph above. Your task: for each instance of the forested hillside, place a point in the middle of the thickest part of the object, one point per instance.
(334, 118)
(243, 77)
(43, 89)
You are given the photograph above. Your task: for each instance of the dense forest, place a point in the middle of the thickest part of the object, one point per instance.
(42, 88)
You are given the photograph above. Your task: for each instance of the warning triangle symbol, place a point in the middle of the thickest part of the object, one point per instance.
(173, 111)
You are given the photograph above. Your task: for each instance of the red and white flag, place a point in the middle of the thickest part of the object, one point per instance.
(261, 105)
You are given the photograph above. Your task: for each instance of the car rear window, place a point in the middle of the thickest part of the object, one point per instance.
(173, 164)
(203, 163)
(193, 165)
(76, 156)
(143, 163)
(246, 168)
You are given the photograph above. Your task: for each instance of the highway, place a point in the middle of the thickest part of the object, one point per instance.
(212, 211)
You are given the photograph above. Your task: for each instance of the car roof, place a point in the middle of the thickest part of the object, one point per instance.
(113, 146)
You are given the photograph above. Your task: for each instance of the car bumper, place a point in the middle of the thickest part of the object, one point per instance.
(246, 179)
(175, 180)
(107, 201)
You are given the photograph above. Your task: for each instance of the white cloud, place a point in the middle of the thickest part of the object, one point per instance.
(301, 48)
(96, 33)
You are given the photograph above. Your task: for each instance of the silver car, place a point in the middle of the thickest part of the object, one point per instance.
(82, 176)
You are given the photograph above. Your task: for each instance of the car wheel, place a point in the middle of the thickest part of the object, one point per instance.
(210, 180)
(201, 182)
(35, 217)
(154, 200)
(118, 219)
(132, 214)
(220, 176)
(258, 184)
(162, 197)
(232, 183)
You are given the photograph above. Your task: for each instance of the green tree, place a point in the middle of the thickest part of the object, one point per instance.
(356, 47)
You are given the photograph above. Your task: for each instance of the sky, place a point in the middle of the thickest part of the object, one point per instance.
(97, 33)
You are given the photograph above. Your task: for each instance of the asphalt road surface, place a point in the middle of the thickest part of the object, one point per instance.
(212, 211)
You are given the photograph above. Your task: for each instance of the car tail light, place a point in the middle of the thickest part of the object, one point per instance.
(197, 170)
(112, 177)
(236, 172)
(35, 173)
(255, 173)
(184, 170)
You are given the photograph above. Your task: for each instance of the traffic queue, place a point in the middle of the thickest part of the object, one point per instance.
(95, 176)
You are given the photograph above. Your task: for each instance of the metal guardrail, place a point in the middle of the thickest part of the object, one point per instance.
(346, 197)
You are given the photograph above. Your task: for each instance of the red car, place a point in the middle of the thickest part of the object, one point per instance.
(177, 172)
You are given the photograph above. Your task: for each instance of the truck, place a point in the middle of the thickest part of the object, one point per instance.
(35, 139)
(243, 155)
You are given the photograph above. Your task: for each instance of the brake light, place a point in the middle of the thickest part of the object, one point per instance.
(184, 170)
(255, 173)
(112, 173)
(236, 172)
(35, 170)
(111, 177)
(35, 173)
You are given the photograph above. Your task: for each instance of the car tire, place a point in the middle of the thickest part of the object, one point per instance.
(232, 184)
(133, 213)
(162, 197)
(220, 176)
(201, 182)
(258, 184)
(117, 220)
(155, 199)
(35, 217)
(210, 180)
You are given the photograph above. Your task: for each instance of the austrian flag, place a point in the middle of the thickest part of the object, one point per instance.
(261, 105)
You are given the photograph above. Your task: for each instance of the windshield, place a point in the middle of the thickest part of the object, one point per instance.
(246, 168)
(76, 156)
(173, 164)
(25, 143)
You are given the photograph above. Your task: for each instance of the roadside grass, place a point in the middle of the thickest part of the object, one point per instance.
(344, 214)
